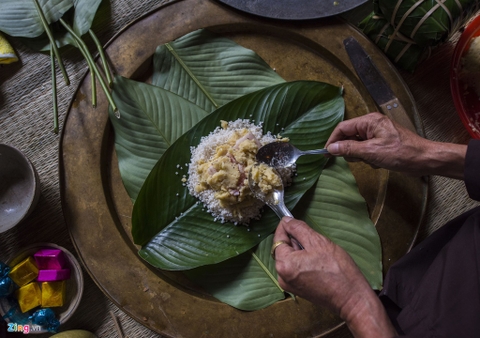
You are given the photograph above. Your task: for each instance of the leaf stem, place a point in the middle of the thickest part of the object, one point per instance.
(91, 63)
(103, 57)
(265, 269)
(93, 84)
(92, 74)
(54, 92)
(53, 44)
(192, 76)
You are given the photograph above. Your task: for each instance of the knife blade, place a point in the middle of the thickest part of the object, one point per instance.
(376, 84)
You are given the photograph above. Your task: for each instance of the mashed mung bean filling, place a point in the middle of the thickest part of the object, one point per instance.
(219, 167)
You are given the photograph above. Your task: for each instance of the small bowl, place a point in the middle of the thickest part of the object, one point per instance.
(73, 287)
(19, 187)
(467, 102)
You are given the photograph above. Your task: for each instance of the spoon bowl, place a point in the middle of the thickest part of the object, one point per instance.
(283, 154)
(274, 199)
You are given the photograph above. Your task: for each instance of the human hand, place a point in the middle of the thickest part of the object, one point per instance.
(383, 143)
(324, 273)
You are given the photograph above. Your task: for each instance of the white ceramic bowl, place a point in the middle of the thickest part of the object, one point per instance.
(74, 285)
(19, 187)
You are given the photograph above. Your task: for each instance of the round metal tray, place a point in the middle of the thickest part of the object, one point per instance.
(97, 208)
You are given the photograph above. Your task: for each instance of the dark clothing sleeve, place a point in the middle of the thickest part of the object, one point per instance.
(472, 169)
(434, 290)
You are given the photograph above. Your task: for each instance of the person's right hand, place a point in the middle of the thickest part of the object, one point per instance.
(325, 274)
(383, 143)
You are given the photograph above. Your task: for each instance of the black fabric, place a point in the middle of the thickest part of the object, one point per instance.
(472, 169)
(434, 291)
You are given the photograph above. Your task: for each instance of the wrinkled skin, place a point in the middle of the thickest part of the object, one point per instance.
(382, 143)
(326, 275)
(322, 272)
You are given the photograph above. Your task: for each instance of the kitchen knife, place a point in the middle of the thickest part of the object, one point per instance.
(376, 84)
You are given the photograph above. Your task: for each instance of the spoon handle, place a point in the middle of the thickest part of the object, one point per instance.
(281, 210)
(315, 151)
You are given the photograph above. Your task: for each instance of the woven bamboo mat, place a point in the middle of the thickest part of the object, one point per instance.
(26, 123)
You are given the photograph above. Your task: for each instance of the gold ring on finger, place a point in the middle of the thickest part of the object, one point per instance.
(274, 246)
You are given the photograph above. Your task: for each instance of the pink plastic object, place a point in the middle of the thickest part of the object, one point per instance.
(50, 259)
(53, 275)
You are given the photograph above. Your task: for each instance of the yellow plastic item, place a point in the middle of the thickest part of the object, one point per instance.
(29, 296)
(53, 294)
(7, 54)
(24, 272)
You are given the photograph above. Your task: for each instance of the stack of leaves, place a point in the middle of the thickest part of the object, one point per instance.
(199, 80)
(47, 25)
(407, 30)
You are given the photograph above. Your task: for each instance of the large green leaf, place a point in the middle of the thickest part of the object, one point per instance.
(200, 67)
(20, 17)
(149, 123)
(247, 282)
(175, 232)
(210, 70)
(335, 208)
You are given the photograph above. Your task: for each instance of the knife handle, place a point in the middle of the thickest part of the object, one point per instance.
(394, 110)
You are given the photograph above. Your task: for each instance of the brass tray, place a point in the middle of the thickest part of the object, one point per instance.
(97, 208)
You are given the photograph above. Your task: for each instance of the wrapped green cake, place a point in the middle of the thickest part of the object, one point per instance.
(408, 30)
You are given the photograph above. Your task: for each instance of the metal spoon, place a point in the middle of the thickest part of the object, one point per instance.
(283, 154)
(274, 199)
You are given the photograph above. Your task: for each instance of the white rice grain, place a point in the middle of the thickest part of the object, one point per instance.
(205, 150)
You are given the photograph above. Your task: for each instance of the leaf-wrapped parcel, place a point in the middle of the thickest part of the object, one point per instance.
(408, 30)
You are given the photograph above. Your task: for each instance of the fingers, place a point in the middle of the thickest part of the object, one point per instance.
(293, 229)
(359, 127)
(295, 233)
(348, 149)
(296, 244)
(283, 235)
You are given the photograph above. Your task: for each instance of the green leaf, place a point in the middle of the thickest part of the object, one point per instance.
(150, 122)
(223, 74)
(80, 17)
(210, 70)
(84, 13)
(176, 234)
(427, 23)
(247, 282)
(335, 208)
(403, 54)
(20, 17)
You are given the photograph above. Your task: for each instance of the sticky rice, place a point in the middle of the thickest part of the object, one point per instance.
(219, 166)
